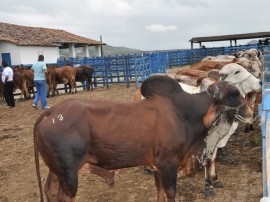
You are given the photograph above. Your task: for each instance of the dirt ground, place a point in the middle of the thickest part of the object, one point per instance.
(240, 171)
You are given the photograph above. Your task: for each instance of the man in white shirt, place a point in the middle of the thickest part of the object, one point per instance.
(7, 79)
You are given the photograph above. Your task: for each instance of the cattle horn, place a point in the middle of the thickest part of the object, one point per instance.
(217, 94)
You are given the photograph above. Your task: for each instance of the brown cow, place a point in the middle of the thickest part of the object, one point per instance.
(85, 73)
(24, 80)
(252, 66)
(62, 75)
(157, 131)
(20, 83)
(208, 65)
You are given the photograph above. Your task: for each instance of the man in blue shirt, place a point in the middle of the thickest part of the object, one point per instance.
(40, 69)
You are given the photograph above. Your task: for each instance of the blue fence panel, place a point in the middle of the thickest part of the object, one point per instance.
(121, 68)
(158, 62)
(99, 74)
(264, 112)
(142, 69)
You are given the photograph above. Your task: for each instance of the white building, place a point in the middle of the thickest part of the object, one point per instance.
(21, 45)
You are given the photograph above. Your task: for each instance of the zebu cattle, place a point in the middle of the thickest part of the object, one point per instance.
(194, 77)
(219, 58)
(85, 73)
(246, 83)
(63, 75)
(20, 83)
(208, 65)
(246, 88)
(239, 77)
(157, 131)
(252, 66)
(26, 75)
(254, 55)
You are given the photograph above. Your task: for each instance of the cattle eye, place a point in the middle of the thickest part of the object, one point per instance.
(235, 93)
(222, 77)
(237, 72)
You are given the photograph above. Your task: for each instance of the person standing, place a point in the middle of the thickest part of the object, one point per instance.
(7, 79)
(40, 69)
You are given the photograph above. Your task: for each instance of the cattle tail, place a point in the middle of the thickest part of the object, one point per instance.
(37, 154)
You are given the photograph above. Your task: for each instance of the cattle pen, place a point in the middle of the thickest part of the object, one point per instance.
(137, 67)
(240, 171)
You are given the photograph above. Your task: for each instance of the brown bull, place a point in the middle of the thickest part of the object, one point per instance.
(157, 131)
(20, 83)
(62, 75)
(24, 80)
(85, 73)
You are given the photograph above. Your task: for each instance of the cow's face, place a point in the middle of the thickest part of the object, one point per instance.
(239, 54)
(253, 67)
(251, 54)
(241, 78)
(226, 99)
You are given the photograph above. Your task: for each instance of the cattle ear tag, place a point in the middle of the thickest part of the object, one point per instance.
(210, 116)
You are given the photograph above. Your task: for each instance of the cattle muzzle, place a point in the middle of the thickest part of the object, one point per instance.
(225, 108)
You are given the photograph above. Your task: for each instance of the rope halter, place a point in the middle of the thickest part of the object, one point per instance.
(237, 116)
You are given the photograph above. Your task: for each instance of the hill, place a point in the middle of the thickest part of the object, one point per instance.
(111, 50)
(107, 50)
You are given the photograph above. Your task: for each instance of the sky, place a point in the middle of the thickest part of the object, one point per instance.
(143, 24)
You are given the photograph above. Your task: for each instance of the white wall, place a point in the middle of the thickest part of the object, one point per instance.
(28, 54)
(14, 51)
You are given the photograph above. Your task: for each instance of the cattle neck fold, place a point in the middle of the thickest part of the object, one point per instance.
(217, 132)
(219, 129)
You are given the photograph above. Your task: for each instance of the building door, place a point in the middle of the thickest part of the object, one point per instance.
(7, 58)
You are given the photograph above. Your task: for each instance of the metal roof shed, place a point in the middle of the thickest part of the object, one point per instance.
(233, 37)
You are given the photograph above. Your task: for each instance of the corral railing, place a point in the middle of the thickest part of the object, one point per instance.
(129, 68)
(264, 112)
(122, 69)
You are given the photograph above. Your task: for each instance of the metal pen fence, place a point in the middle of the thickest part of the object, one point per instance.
(128, 68)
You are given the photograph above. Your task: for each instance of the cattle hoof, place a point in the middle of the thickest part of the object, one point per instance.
(147, 172)
(217, 184)
(208, 193)
(110, 182)
(222, 152)
(247, 130)
(110, 179)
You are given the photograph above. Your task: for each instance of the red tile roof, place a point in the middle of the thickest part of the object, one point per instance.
(37, 36)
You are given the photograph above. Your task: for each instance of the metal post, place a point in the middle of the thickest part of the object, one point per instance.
(101, 46)
(264, 112)
(192, 56)
(127, 78)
